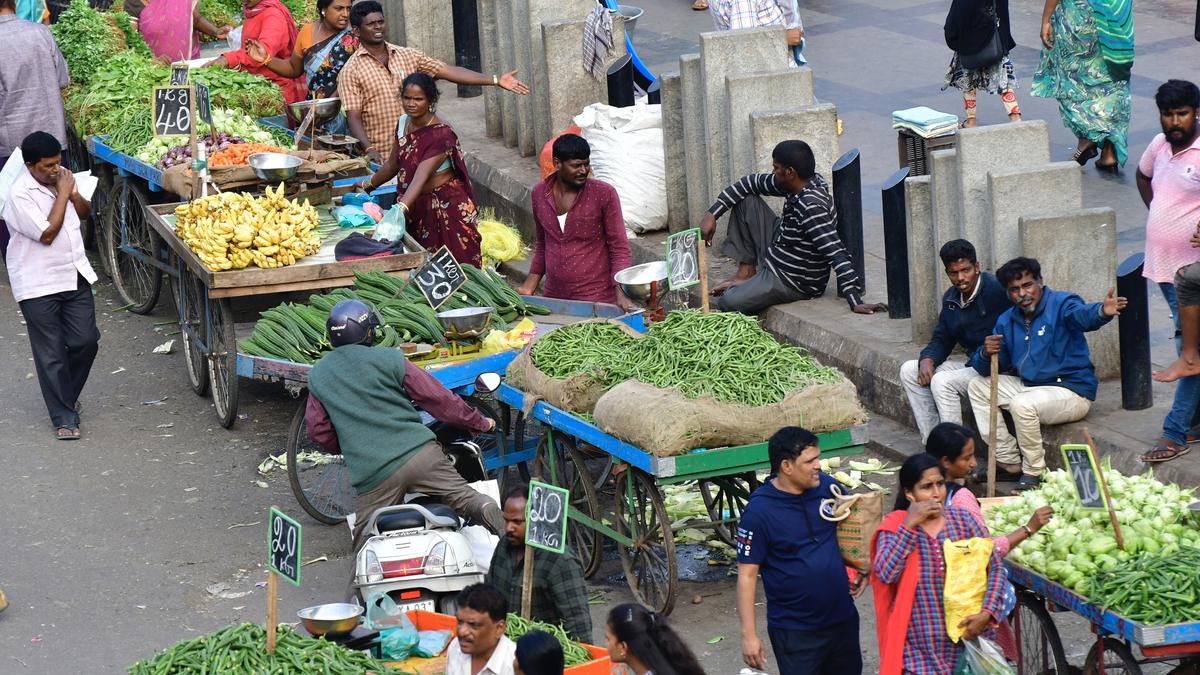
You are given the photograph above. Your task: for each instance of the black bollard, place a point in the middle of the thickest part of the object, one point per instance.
(895, 245)
(654, 93)
(620, 83)
(1133, 326)
(466, 42)
(847, 199)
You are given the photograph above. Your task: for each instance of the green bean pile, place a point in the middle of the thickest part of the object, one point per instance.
(725, 355)
(243, 649)
(1152, 589)
(573, 653)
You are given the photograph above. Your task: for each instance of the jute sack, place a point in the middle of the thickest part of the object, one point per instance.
(577, 393)
(664, 422)
(858, 516)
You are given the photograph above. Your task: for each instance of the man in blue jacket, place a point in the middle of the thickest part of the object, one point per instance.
(1041, 340)
(935, 384)
(781, 536)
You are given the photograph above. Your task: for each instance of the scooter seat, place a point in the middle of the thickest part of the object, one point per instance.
(407, 520)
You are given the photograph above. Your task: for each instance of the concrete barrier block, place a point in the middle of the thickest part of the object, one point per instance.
(508, 59)
(1012, 194)
(918, 202)
(546, 66)
(947, 223)
(674, 161)
(1077, 249)
(695, 150)
(489, 49)
(726, 53)
(427, 26)
(786, 89)
(574, 89)
(997, 147)
(815, 125)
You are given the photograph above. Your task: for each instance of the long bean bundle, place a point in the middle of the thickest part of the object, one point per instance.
(723, 355)
(1153, 589)
(573, 653)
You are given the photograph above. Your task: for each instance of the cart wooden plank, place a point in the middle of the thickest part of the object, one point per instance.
(306, 274)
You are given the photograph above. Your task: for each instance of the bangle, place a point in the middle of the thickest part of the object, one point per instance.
(1027, 530)
(403, 206)
(266, 60)
(495, 80)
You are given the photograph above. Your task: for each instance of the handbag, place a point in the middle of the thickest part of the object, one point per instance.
(857, 517)
(991, 53)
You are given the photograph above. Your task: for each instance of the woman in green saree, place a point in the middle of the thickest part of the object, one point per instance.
(1087, 56)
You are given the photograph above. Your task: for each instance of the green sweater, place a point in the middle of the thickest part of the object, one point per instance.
(377, 426)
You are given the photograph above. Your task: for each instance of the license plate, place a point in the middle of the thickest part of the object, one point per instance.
(426, 605)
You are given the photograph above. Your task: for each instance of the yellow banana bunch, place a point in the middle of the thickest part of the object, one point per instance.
(231, 230)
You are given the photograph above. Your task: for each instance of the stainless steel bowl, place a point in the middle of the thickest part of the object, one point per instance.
(335, 618)
(635, 281)
(326, 109)
(465, 322)
(274, 166)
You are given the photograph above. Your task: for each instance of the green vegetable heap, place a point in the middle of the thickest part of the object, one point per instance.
(573, 653)
(725, 355)
(1151, 580)
(86, 40)
(242, 649)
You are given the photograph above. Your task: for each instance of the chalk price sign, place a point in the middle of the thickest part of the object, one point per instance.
(546, 517)
(683, 252)
(172, 111)
(179, 74)
(203, 104)
(1085, 473)
(283, 546)
(439, 278)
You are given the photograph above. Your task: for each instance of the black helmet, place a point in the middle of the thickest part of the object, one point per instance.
(350, 322)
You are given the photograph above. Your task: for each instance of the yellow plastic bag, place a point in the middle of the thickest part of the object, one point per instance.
(518, 336)
(966, 580)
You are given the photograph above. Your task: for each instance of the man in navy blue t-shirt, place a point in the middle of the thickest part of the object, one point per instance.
(811, 618)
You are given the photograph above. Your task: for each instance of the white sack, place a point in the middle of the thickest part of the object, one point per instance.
(627, 153)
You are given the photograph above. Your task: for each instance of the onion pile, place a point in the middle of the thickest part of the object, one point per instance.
(182, 153)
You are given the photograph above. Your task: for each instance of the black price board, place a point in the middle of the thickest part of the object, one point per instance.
(283, 546)
(179, 74)
(440, 277)
(172, 111)
(203, 104)
(546, 517)
(1085, 474)
(683, 259)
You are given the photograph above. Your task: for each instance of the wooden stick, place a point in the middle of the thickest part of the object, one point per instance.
(702, 261)
(527, 583)
(195, 124)
(993, 413)
(272, 607)
(1112, 513)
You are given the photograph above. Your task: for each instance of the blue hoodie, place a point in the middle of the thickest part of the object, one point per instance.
(796, 550)
(1050, 348)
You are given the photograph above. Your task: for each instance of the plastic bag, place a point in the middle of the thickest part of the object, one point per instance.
(8, 175)
(984, 658)
(352, 216)
(396, 644)
(431, 643)
(384, 613)
(627, 153)
(234, 38)
(391, 227)
(966, 580)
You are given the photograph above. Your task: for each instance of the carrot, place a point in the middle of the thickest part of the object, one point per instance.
(238, 154)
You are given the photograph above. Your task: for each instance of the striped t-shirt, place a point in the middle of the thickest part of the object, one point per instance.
(806, 243)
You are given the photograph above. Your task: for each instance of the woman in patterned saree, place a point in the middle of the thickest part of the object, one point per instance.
(1086, 63)
(431, 175)
(322, 48)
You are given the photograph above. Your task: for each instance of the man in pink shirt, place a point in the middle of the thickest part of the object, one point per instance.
(581, 241)
(1168, 178)
(51, 278)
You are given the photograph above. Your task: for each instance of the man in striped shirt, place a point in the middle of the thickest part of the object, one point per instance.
(788, 258)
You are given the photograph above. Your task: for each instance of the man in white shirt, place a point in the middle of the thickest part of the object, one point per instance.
(51, 278)
(481, 647)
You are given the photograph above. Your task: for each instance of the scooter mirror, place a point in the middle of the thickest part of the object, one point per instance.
(487, 382)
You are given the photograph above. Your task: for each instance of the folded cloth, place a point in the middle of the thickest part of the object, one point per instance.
(358, 246)
(923, 117)
(597, 41)
(923, 132)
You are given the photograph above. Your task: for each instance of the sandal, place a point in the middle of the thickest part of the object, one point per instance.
(1164, 451)
(1084, 155)
(67, 433)
(700, 5)
(1002, 475)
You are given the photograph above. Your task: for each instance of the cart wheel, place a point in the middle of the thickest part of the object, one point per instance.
(1118, 659)
(1039, 648)
(320, 481)
(222, 360)
(726, 497)
(99, 217)
(650, 566)
(527, 432)
(193, 329)
(571, 472)
(137, 281)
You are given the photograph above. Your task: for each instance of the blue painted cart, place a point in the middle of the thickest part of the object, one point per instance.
(1041, 648)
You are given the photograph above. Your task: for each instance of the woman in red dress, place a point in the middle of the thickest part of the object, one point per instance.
(270, 24)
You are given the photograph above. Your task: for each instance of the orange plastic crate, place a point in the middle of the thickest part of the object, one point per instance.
(599, 665)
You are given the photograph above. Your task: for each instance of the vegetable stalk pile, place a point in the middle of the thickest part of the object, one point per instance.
(243, 649)
(573, 653)
(723, 355)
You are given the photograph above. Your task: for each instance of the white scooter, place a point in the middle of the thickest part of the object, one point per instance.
(418, 552)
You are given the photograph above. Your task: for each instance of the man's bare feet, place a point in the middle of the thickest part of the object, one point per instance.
(1180, 368)
(724, 286)
(968, 123)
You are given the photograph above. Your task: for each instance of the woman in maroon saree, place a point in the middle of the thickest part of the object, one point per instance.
(431, 176)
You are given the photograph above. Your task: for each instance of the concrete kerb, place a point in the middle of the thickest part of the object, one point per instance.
(1012, 194)
(784, 89)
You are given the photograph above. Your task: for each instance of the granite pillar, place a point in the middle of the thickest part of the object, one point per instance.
(489, 49)
(786, 89)
(815, 125)
(573, 89)
(947, 223)
(674, 161)
(918, 203)
(695, 150)
(544, 68)
(508, 61)
(1012, 194)
(427, 26)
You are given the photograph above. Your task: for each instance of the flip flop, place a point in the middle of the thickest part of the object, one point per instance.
(1164, 452)
(700, 5)
(67, 433)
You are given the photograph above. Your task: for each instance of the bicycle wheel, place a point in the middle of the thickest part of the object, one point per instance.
(138, 282)
(1039, 648)
(222, 360)
(320, 481)
(725, 499)
(571, 473)
(650, 566)
(1118, 659)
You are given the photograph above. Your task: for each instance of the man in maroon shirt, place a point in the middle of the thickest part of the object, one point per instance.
(581, 240)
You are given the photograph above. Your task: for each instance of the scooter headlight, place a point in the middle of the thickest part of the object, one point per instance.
(435, 562)
(373, 571)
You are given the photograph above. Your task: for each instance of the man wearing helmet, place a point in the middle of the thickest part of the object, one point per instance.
(361, 405)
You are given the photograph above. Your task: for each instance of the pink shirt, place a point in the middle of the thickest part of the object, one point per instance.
(35, 269)
(1174, 210)
(963, 499)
